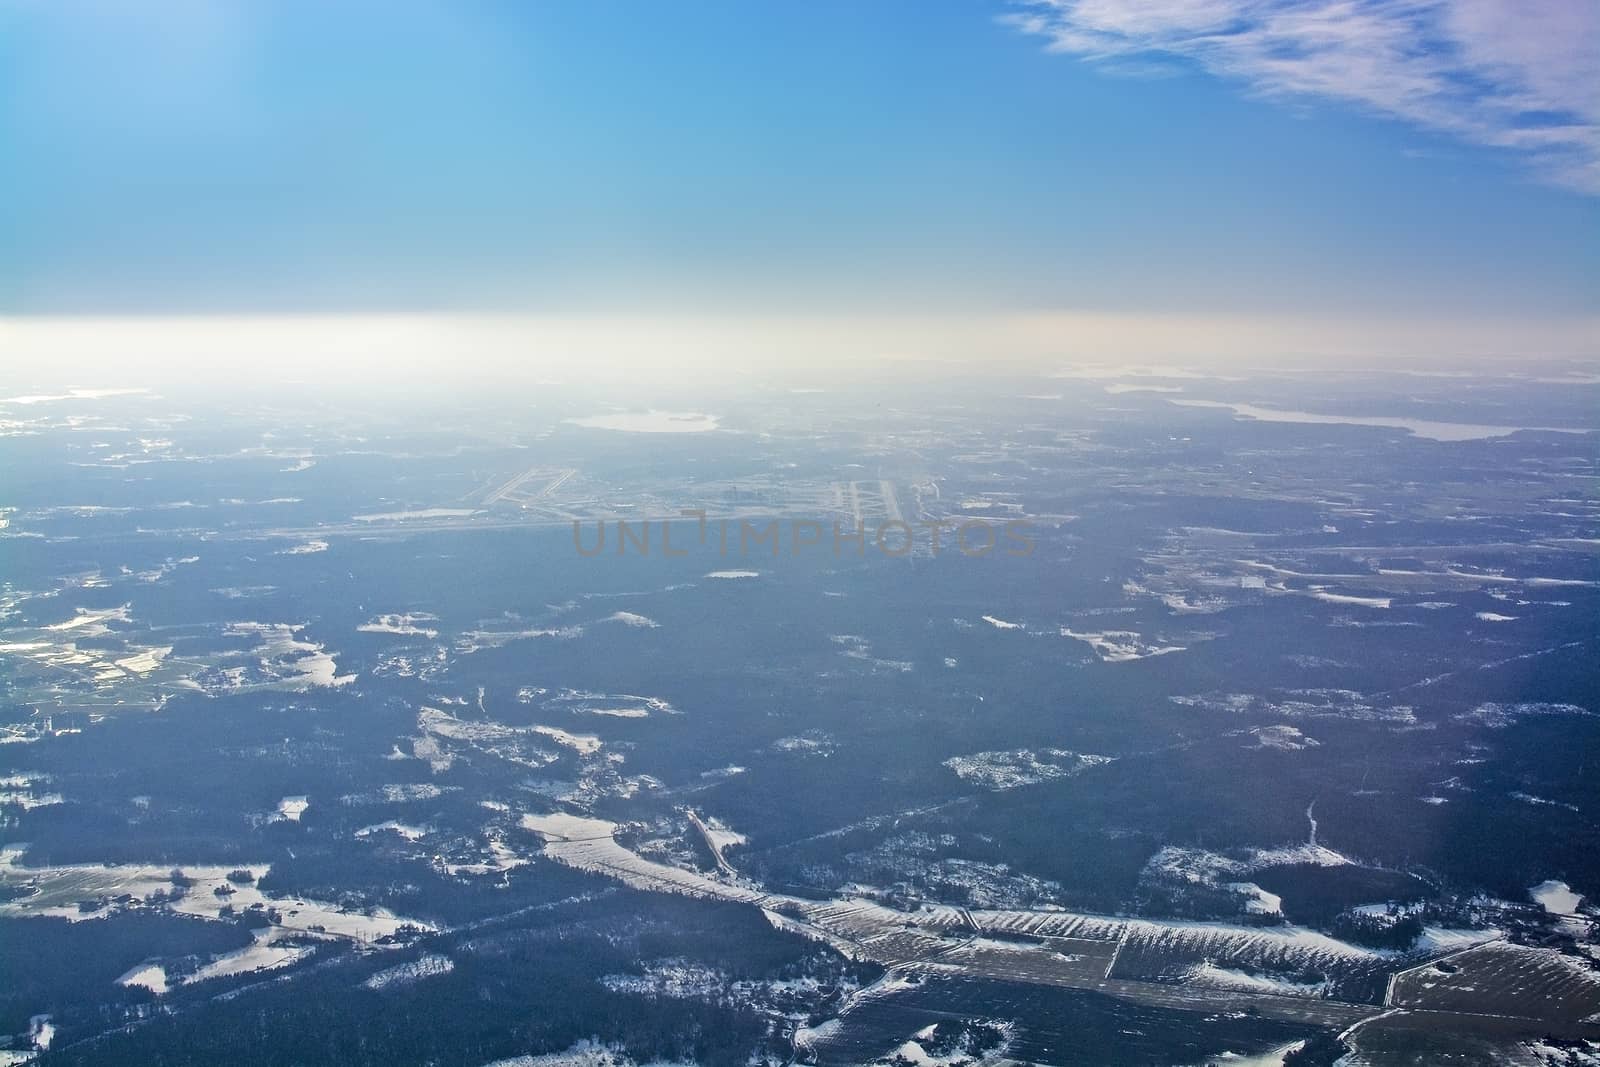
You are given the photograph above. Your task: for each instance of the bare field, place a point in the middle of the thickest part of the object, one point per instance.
(1283, 973)
(1502, 979)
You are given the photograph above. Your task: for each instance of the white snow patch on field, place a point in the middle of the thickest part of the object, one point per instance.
(1498, 716)
(402, 792)
(410, 833)
(1120, 646)
(1282, 736)
(583, 744)
(284, 660)
(28, 799)
(92, 622)
(1195, 866)
(1529, 798)
(813, 743)
(1260, 901)
(405, 624)
(151, 976)
(584, 702)
(1355, 601)
(720, 835)
(560, 826)
(144, 662)
(1244, 959)
(914, 1053)
(806, 1037)
(291, 808)
(513, 743)
(404, 974)
(1556, 898)
(680, 980)
(300, 924)
(1214, 977)
(583, 1054)
(420, 513)
(1295, 855)
(1303, 704)
(628, 618)
(1550, 1055)
(477, 640)
(1003, 770)
(859, 648)
(1439, 939)
(270, 951)
(1271, 1058)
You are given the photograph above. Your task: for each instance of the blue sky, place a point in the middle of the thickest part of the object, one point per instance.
(876, 157)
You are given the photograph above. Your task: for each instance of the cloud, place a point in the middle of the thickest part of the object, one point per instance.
(1513, 74)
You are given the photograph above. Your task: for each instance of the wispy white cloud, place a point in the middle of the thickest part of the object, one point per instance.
(1514, 74)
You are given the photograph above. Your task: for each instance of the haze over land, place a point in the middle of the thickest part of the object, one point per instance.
(1062, 532)
(323, 703)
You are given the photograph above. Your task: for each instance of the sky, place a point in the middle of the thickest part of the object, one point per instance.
(1313, 165)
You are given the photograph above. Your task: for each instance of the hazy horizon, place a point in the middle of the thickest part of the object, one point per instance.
(1192, 181)
(51, 352)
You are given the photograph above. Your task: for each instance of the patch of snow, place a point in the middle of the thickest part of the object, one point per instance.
(410, 833)
(1282, 736)
(1209, 975)
(1498, 716)
(583, 744)
(1271, 1058)
(404, 974)
(1556, 898)
(284, 660)
(144, 662)
(1001, 770)
(420, 513)
(1261, 902)
(1357, 601)
(151, 976)
(305, 548)
(405, 624)
(628, 618)
(1120, 646)
(41, 1031)
(291, 808)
